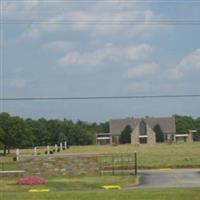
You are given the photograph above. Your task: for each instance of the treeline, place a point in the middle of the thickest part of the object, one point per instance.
(185, 123)
(16, 132)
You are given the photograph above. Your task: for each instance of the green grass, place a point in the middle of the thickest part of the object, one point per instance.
(146, 194)
(153, 156)
(70, 183)
(180, 155)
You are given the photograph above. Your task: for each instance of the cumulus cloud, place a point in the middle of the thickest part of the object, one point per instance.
(83, 13)
(108, 53)
(188, 64)
(141, 70)
(58, 46)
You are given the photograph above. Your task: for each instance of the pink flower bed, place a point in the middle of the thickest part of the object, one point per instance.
(31, 180)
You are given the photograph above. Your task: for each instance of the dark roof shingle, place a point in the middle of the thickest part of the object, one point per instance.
(167, 124)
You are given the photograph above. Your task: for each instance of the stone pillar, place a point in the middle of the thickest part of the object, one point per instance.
(151, 136)
(35, 151)
(190, 136)
(135, 136)
(111, 139)
(56, 148)
(48, 150)
(65, 145)
(61, 146)
(17, 154)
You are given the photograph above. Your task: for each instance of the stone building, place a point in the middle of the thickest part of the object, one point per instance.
(143, 129)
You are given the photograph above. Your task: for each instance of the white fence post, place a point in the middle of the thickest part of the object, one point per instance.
(35, 151)
(47, 149)
(56, 148)
(61, 146)
(17, 154)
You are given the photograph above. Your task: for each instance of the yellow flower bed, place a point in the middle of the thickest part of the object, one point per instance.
(111, 187)
(39, 190)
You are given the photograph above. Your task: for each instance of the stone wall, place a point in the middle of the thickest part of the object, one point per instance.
(135, 136)
(151, 138)
(58, 164)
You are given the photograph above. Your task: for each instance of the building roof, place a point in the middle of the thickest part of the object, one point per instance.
(167, 124)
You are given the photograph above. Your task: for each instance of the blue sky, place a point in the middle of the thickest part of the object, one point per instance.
(41, 60)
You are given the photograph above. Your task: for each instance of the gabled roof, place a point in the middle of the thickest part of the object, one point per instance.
(167, 124)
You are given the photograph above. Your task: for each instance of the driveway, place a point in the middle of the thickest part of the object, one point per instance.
(164, 178)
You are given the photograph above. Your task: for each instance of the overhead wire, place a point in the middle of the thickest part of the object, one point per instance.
(101, 97)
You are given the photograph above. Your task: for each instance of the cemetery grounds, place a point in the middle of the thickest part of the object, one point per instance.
(181, 155)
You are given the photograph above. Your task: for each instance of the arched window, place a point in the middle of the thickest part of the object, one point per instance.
(143, 128)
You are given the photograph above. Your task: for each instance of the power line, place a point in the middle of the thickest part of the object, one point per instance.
(104, 1)
(100, 97)
(105, 22)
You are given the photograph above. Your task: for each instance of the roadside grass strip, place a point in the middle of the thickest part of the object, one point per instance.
(111, 187)
(165, 169)
(39, 190)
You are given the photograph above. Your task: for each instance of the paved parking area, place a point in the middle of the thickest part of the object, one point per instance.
(169, 178)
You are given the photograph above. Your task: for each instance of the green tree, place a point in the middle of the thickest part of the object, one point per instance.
(184, 124)
(14, 133)
(125, 136)
(159, 133)
(61, 137)
(197, 134)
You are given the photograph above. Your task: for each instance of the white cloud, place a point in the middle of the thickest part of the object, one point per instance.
(31, 33)
(108, 53)
(58, 46)
(189, 64)
(82, 12)
(141, 51)
(142, 70)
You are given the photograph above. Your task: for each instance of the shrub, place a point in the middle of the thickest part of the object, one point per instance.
(31, 180)
(51, 152)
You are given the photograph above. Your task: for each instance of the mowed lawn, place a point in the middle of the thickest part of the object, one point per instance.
(70, 183)
(180, 155)
(145, 194)
(151, 156)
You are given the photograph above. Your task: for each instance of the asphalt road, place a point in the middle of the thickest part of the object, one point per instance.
(169, 178)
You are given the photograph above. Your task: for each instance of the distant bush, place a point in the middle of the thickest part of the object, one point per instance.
(50, 152)
(31, 180)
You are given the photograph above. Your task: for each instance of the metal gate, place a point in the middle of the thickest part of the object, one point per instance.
(116, 164)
